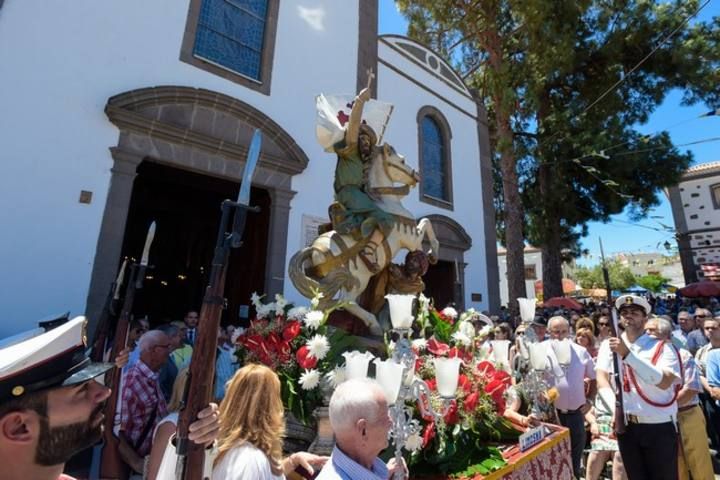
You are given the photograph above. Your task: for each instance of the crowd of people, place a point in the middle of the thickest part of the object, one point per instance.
(669, 364)
(670, 374)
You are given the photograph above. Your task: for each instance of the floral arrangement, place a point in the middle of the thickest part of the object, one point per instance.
(298, 345)
(461, 442)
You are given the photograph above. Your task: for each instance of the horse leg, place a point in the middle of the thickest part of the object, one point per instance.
(425, 229)
(367, 318)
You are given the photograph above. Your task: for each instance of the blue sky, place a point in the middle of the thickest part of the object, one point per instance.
(622, 235)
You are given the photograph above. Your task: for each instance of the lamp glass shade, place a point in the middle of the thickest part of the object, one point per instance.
(356, 364)
(400, 310)
(538, 356)
(447, 373)
(501, 353)
(389, 375)
(527, 309)
(562, 351)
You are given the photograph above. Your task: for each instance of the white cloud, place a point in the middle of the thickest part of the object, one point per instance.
(313, 16)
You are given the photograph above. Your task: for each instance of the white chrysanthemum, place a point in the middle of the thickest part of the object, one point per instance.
(297, 313)
(310, 379)
(336, 376)
(318, 346)
(420, 344)
(264, 310)
(462, 339)
(280, 302)
(255, 299)
(313, 319)
(467, 329)
(413, 442)
(450, 312)
(485, 331)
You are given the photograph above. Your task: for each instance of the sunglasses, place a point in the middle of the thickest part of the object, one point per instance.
(701, 316)
(604, 324)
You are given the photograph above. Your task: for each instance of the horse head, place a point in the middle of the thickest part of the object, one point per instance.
(389, 167)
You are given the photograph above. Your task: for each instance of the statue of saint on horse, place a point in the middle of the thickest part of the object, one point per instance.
(355, 213)
(369, 223)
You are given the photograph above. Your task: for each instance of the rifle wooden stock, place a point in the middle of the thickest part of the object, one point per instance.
(199, 387)
(112, 466)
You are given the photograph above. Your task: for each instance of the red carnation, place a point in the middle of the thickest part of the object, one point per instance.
(292, 330)
(304, 359)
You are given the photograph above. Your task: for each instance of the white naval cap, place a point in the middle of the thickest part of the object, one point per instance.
(632, 300)
(52, 359)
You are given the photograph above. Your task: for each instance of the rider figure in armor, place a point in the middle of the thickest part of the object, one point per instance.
(359, 215)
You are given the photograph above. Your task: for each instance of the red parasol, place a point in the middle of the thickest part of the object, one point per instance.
(701, 289)
(563, 302)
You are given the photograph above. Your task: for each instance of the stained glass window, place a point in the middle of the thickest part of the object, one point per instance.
(434, 171)
(230, 34)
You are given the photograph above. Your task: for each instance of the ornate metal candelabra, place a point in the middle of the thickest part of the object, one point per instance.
(397, 377)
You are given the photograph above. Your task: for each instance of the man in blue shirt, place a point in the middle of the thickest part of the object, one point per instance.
(360, 420)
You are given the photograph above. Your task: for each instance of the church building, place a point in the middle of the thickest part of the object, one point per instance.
(118, 113)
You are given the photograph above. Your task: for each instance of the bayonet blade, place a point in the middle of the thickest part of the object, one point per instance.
(148, 243)
(250, 163)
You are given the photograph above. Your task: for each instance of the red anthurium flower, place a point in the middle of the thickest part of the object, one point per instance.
(419, 363)
(503, 376)
(471, 401)
(428, 434)
(453, 352)
(437, 348)
(464, 383)
(292, 330)
(432, 384)
(304, 359)
(452, 417)
(485, 368)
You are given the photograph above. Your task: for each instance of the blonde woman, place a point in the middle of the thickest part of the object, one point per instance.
(252, 426)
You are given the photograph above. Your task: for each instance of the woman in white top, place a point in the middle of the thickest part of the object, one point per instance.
(252, 426)
(167, 426)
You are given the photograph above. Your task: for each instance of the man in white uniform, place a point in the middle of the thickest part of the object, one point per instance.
(650, 374)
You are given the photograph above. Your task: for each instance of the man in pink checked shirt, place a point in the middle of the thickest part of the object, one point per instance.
(570, 381)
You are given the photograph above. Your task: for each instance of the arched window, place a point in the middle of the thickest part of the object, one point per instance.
(435, 160)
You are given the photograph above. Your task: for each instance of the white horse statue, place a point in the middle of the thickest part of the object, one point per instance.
(331, 265)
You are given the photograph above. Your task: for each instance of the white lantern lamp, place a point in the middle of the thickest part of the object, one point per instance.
(527, 309)
(356, 364)
(389, 375)
(501, 353)
(447, 372)
(538, 356)
(400, 311)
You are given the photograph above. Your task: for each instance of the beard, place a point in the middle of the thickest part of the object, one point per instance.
(58, 444)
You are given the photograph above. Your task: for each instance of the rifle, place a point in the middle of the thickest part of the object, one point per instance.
(198, 390)
(109, 311)
(619, 415)
(112, 466)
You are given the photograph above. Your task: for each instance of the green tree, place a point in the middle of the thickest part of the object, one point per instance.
(540, 67)
(654, 283)
(621, 277)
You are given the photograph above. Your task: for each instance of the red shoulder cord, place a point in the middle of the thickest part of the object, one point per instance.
(629, 374)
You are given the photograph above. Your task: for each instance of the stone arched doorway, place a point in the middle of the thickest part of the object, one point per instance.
(446, 280)
(199, 131)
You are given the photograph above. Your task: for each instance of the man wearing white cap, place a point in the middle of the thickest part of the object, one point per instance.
(51, 407)
(651, 375)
